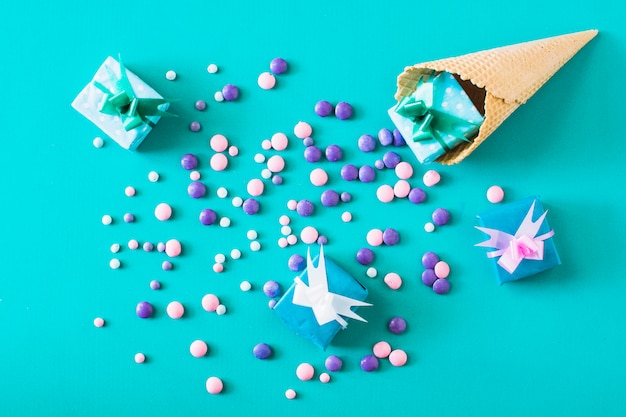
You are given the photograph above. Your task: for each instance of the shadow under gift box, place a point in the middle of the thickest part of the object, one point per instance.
(302, 320)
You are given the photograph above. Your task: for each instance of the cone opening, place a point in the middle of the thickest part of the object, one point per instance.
(476, 94)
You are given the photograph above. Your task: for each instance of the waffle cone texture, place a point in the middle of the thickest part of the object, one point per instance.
(510, 75)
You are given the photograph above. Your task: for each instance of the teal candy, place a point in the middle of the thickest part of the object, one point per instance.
(437, 117)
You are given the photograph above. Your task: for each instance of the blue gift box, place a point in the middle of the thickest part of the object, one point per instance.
(522, 238)
(436, 117)
(303, 320)
(89, 101)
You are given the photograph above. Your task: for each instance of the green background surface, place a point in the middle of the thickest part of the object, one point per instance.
(552, 344)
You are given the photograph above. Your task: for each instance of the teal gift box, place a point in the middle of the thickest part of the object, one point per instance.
(436, 117)
(521, 238)
(320, 297)
(121, 104)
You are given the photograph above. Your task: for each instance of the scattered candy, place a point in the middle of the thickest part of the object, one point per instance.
(266, 81)
(309, 235)
(349, 172)
(381, 349)
(371, 272)
(429, 227)
(235, 254)
(442, 269)
(369, 363)
(391, 160)
(129, 191)
(129, 218)
(98, 322)
(385, 193)
(333, 153)
(133, 244)
(429, 277)
(367, 174)
(302, 130)
(218, 162)
(324, 378)
(393, 280)
(167, 266)
(155, 285)
(210, 302)
(140, 358)
(441, 216)
(495, 194)
(343, 110)
(272, 289)
(194, 175)
(404, 170)
(250, 206)
(170, 75)
(163, 211)
(198, 348)
(218, 143)
(98, 142)
(374, 237)
(279, 141)
(365, 256)
(245, 286)
(175, 310)
(431, 177)
(212, 69)
(153, 176)
(323, 108)
(398, 357)
(312, 153)
(290, 394)
(278, 66)
(115, 248)
(255, 187)
(330, 198)
(276, 163)
(220, 310)
(207, 217)
(144, 310)
(214, 385)
(296, 263)
(397, 325)
(230, 92)
(391, 236)
(262, 351)
(305, 371)
(417, 196)
(200, 105)
(401, 189)
(333, 363)
(346, 217)
(318, 177)
(218, 96)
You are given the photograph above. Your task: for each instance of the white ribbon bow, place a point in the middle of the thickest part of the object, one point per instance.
(327, 306)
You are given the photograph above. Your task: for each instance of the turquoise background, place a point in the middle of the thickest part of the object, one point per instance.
(552, 344)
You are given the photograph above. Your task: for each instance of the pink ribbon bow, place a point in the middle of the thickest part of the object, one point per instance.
(512, 249)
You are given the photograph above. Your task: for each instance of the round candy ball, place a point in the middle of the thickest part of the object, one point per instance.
(495, 194)
(230, 92)
(365, 256)
(175, 310)
(200, 105)
(305, 371)
(207, 217)
(391, 160)
(349, 172)
(441, 216)
(343, 110)
(417, 195)
(196, 189)
(366, 143)
(333, 363)
(382, 349)
(214, 385)
(429, 260)
(367, 174)
(144, 310)
(398, 139)
(312, 153)
(333, 153)
(429, 277)
(304, 208)
(397, 325)
(330, 198)
(391, 236)
(369, 363)
(272, 289)
(398, 357)
(323, 108)
(266, 80)
(441, 286)
(198, 348)
(385, 137)
(296, 263)
(195, 126)
(262, 351)
(189, 161)
(250, 206)
(278, 66)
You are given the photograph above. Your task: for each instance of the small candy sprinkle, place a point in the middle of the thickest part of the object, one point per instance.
(431, 177)
(277, 180)
(218, 162)
(379, 164)
(218, 143)
(391, 236)
(292, 239)
(318, 177)
(255, 246)
(292, 204)
(194, 175)
(266, 173)
(324, 378)
(385, 137)
(309, 235)
(441, 216)
(404, 170)
(153, 176)
(346, 216)
(266, 145)
(441, 286)
(170, 75)
(200, 105)
(259, 158)
(252, 234)
(381, 349)
(210, 302)
(366, 143)
(282, 242)
(398, 357)
(272, 303)
(305, 371)
(429, 277)
(279, 141)
(429, 227)
(369, 363)
(224, 222)
(262, 351)
(374, 237)
(115, 248)
(302, 130)
(198, 348)
(115, 263)
(365, 256)
(308, 141)
(161, 247)
(284, 220)
(144, 310)
(402, 188)
(98, 322)
(333, 363)
(266, 80)
(346, 197)
(393, 280)
(367, 174)
(207, 217)
(195, 126)
(163, 211)
(218, 96)
(214, 385)
(371, 272)
(140, 358)
(245, 286)
(442, 269)
(276, 163)
(255, 187)
(167, 266)
(129, 191)
(235, 254)
(323, 108)
(98, 142)
(233, 151)
(220, 258)
(155, 285)
(133, 244)
(285, 230)
(278, 66)
(220, 310)
(272, 289)
(397, 325)
(312, 153)
(296, 263)
(212, 69)
(495, 194)
(333, 153)
(322, 240)
(107, 220)
(349, 172)
(129, 218)
(196, 189)
(385, 193)
(237, 201)
(290, 394)
(343, 110)
(230, 92)
(175, 310)
(222, 192)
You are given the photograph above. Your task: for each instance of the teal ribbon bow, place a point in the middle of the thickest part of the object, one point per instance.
(122, 101)
(429, 121)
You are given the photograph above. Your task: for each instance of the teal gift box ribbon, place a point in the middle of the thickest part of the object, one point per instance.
(122, 101)
(437, 117)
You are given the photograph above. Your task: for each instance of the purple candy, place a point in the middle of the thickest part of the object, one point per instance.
(391, 159)
(296, 263)
(346, 197)
(333, 153)
(330, 198)
(230, 92)
(272, 303)
(155, 285)
(250, 206)
(385, 137)
(322, 240)
(429, 260)
(148, 247)
(312, 153)
(144, 310)
(277, 180)
(278, 66)
(369, 363)
(262, 351)
(365, 256)
(391, 236)
(129, 218)
(304, 208)
(398, 139)
(441, 286)
(308, 141)
(417, 195)
(207, 217)
(397, 325)
(189, 161)
(379, 164)
(349, 172)
(272, 289)
(367, 174)
(200, 105)
(196, 189)
(441, 216)
(161, 247)
(195, 126)
(167, 266)
(333, 363)
(323, 108)
(429, 277)
(366, 143)
(343, 110)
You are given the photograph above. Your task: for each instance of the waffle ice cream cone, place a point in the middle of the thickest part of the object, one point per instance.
(508, 76)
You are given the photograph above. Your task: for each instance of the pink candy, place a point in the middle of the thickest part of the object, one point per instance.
(308, 235)
(382, 349)
(163, 211)
(255, 187)
(385, 193)
(276, 163)
(173, 248)
(393, 280)
(398, 357)
(318, 177)
(214, 385)
(442, 269)
(431, 177)
(219, 162)
(495, 194)
(302, 130)
(279, 141)
(198, 348)
(175, 310)
(402, 188)
(210, 302)
(218, 143)
(266, 80)
(305, 371)
(404, 170)
(374, 237)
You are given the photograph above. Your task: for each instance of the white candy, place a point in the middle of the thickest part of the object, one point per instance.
(170, 75)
